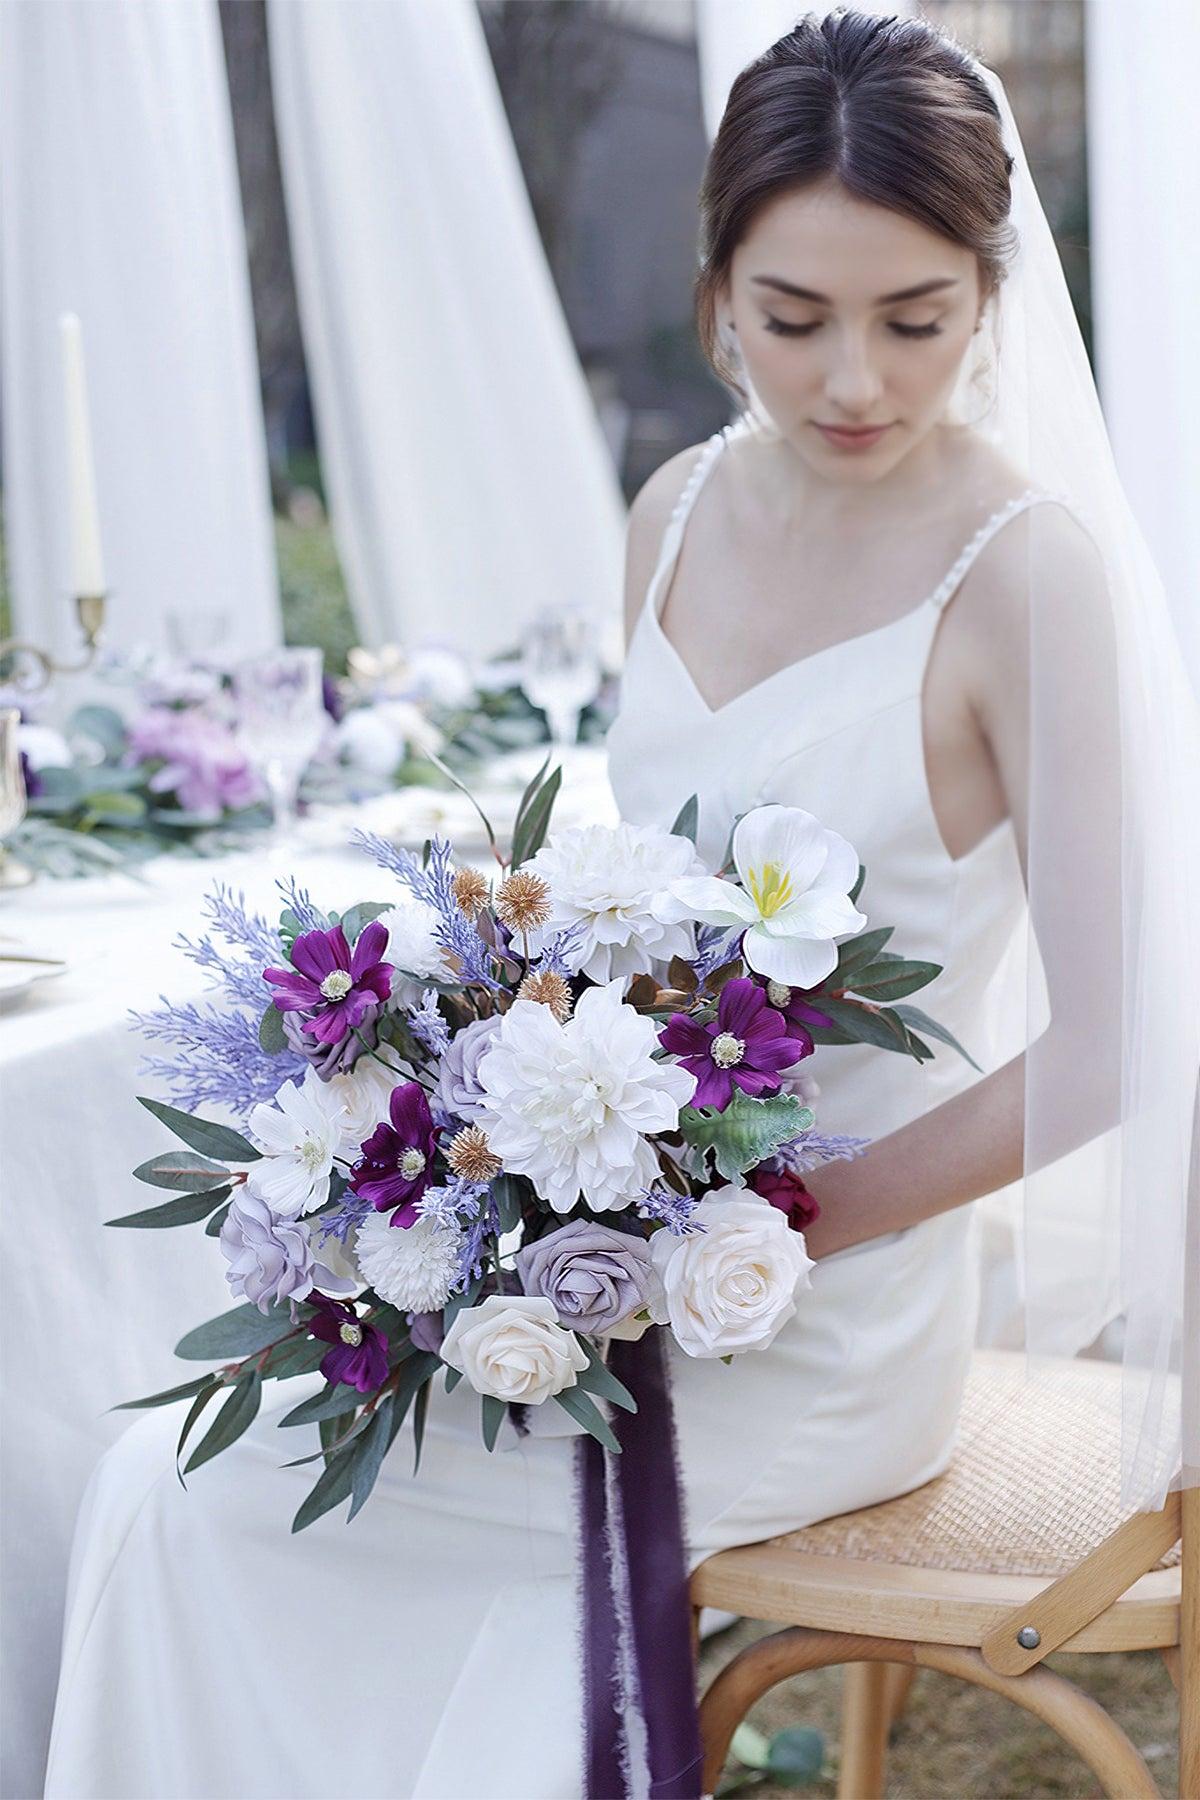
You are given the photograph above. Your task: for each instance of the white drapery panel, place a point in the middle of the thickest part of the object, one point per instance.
(468, 477)
(119, 201)
(1144, 181)
(732, 33)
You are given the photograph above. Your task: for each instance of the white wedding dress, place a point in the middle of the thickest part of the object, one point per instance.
(430, 1648)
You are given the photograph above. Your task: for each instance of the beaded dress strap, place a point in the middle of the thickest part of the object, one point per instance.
(673, 534)
(958, 569)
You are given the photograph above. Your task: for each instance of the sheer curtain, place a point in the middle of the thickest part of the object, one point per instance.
(1144, 180)
(468, 476)
(119, 201)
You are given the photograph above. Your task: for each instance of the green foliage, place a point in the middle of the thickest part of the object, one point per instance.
(185, 1210)
(204, 1135)
(747, 1132)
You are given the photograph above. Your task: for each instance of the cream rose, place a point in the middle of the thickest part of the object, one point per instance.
(734, 1285)
(513, 1348)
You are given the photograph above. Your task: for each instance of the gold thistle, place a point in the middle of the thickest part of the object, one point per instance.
(523, 901)
(548, 989)
(470, 891)
(470, 1156)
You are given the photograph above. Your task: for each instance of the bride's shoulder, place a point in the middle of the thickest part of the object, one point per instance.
(649, 515)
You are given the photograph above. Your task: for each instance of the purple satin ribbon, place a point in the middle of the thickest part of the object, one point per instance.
(641, 1726)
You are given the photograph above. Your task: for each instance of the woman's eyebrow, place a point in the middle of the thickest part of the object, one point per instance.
(802, 293)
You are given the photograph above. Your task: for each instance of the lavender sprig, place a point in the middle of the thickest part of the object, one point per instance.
(299, 903)
(713, 947)
(428, 1025)
(396, 861)
(670, 1209)
(813, 1148)
(217, 1059)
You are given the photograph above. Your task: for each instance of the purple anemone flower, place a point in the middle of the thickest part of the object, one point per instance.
(745, 1046)
(360, 1351)
(397, 1159)
(333, 989)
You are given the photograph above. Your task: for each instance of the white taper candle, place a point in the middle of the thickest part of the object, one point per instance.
(87, 565)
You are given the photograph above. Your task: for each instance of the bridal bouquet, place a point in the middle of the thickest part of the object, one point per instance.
(494, 1127)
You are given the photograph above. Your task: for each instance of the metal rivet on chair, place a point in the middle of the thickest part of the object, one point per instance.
(1029, 1637)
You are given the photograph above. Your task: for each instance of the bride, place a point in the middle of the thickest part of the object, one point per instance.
(834, 603)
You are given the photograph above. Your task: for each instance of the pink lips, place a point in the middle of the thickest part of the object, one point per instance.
(852, 440)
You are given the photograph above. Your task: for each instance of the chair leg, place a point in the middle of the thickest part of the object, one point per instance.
(866, 1715)
(900, 1679)
(1089, 1730)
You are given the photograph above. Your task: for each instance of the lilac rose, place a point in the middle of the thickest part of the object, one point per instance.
(270, 1259)
(459, 1089)
(339, 1057)
(597, 1278)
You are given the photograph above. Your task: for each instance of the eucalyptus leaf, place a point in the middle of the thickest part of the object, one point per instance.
(204, 1135)
(599, 1379)
(912, 1015)
(687, 821)
(529, 837)
(364, 913)
(493, 1411)
(331, 1488)
(108, 808)
(420, 1412)
(198, 1405)
(369, 1455)
(185, 1170)
(237, 1414)
(167, 1397)
(332, 1401)
(294, 1356)
(271, 1036)
(862, 1025)
(335, 1441)
(531, 789)
(585, 1412)
(186, 1209)
(892, 980)
(239, 1332)
(745, 1133)
(856, 952)
(103, 724)
(213, 1228)
(857, 889)
(507, 1192)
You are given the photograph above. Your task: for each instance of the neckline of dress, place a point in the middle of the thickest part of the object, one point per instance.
(931, 603)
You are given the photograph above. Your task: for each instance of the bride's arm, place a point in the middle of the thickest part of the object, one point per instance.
(1067, 827)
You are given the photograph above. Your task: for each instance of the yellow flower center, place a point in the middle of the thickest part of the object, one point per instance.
(336, 985)
(771, 888)
(779, 994)
(727, 1050)
(411, 1164)
(351, 1334)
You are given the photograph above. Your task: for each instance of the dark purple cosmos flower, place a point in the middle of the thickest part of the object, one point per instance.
(788, 1193)
(397, 1159)
(745, 1046)
(798, 1012)
(333, 989)
(360, 1351)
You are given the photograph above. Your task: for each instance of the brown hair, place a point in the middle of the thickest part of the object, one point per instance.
(891, 108)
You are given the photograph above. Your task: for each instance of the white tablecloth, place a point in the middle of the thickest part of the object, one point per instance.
(90, 1316)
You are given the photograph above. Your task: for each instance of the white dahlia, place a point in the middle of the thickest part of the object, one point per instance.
(413, 949)
(412, 1266)
(570, 1105)
(300, 1133)
(610, 879)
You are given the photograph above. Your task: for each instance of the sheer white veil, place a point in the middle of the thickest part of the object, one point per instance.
(1112, 863)
(1113, 873)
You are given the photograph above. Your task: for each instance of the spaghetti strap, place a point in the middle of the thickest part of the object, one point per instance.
(954, 575)
(673, 533)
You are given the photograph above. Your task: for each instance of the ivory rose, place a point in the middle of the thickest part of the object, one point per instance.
(732, 1286)
(513, 1348)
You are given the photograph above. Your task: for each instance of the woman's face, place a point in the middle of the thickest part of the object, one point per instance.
(816, 294)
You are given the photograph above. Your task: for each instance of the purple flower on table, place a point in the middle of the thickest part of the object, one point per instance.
(359, 1356)
(745, 1046)
(397, 1159)
(331, 987)
(200, 762)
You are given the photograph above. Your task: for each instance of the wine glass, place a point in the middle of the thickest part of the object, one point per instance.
(12, 796)
(560, 668)
(280, 721)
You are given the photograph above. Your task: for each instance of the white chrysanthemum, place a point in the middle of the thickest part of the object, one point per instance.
(411, 1266)
(571, 1105)
(300, 1133)
(609, 879)
(364, 1092)
(413, 949)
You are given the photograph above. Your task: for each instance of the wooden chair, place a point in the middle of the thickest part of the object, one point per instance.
(1018, 1550)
